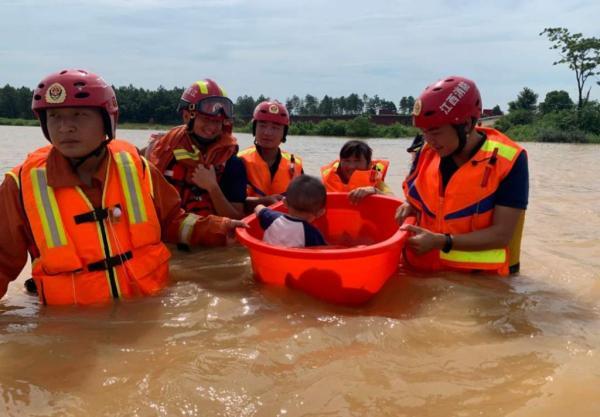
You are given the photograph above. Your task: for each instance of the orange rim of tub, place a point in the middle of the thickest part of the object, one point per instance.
(346, 275)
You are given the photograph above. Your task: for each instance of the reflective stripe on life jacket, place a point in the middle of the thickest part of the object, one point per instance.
(176, 156)
(94, 254)
(260, 182)
(467, 204)
(372, 176)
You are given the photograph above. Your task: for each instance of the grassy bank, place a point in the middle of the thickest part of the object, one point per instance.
(18, 122)
(558, 126)
(359, 127)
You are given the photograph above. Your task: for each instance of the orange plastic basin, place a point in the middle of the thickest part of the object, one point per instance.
(368, 246)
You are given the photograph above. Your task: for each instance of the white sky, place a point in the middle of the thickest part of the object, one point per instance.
(278, 48)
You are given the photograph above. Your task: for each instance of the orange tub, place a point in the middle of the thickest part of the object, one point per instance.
(368, 248)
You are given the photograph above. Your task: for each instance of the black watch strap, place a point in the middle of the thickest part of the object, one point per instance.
(448, 244)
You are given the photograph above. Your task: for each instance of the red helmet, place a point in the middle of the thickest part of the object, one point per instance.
(75, 88)
(206, 97)
(271, 111)
(451, 100)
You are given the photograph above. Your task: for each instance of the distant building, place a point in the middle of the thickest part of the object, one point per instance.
(490, 113)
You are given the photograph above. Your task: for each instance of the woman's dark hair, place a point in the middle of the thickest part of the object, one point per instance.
(357, 149)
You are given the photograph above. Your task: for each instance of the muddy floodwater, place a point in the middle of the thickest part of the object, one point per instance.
(217, 343)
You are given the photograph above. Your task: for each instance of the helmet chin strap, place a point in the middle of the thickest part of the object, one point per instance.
(462, 139)
(77, 162)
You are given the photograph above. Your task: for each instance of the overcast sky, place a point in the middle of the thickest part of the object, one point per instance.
(280, 47)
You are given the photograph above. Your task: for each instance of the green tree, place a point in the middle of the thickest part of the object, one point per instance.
(311, 105)
(387, 107)
(354, 104)
(581, 54)
(293, 104)
(496, 111)
(556, 101)
(410, 103)
(326, 106)
(244, 107)
(402, 106)
(526, 100)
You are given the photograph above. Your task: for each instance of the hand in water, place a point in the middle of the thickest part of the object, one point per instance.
(205, 178)
(234, 224)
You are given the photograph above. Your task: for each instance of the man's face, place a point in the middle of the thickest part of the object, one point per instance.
(269, 134)
(207, 127)
(75, 131)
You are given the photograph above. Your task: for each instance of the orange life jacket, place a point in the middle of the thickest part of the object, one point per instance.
(95, 254)
(176, 156)
(467, 204)
(372, 176)
(260, 182)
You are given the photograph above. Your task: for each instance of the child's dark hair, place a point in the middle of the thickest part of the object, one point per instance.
(306, 193)
(357, 149)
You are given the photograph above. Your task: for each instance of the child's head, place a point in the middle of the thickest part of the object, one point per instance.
(206, 110)
(306, 197)
(77, 111)
(355, 154)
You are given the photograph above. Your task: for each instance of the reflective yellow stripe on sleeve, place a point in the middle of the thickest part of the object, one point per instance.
(187, 227)
(47, 207)
(148, 174)
(15, 177)
(185, 154)
(132, 189)
(491, 256)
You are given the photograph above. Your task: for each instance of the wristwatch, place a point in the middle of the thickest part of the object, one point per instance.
(448, 244)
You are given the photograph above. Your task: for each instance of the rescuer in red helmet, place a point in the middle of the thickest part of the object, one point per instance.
(468, 186)
(269, 169)
(89, 210)
(199, 157)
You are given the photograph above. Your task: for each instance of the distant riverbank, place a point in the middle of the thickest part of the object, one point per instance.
(361, 127)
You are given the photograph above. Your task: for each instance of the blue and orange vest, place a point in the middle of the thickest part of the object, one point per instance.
(87, 254)
(176, 156)
(260, 182)
(466, 205)
(373, 176)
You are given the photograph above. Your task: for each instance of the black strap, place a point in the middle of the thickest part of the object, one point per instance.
(111, 262)
(96, 215)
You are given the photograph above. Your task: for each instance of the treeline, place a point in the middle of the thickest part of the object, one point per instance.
(139, 105)
(556, 119)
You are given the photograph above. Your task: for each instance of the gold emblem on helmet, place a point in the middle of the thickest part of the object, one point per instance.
(56, 94)
(417, 108)
(273, 109)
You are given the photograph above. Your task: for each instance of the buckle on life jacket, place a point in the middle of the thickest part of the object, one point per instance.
(110, 263)
(99, 214)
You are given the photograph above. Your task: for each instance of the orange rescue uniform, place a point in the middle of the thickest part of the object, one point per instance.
(374, 176)
(466, 205)
(260, 182)
(93, 243)
(176, 156)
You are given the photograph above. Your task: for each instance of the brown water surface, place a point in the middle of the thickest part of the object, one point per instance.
(216, 343)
